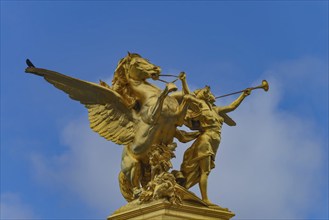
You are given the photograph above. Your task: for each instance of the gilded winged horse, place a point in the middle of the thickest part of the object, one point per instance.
(132, 112)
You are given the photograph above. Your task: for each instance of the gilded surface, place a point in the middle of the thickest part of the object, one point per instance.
(200, 157)
(144, 119)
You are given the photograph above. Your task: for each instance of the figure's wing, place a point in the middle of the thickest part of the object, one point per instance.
(229, 121)
(108, 115)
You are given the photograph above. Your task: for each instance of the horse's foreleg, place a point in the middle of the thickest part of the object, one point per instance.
(155, 111)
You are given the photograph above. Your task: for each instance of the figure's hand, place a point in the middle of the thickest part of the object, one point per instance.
(247, 92)
(171, 87)
(182, 76)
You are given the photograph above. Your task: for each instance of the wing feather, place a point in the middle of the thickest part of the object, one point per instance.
(108, 114)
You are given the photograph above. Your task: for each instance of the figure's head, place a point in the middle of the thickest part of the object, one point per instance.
(140, 68)
(205, 94)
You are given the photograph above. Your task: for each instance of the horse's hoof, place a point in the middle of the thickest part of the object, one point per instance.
(137, 192)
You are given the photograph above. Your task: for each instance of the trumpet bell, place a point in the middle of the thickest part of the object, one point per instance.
(265, 85)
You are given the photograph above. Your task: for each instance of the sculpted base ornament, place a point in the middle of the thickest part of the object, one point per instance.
(144, 119)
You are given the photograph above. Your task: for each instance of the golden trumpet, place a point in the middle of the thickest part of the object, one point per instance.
(264, 86)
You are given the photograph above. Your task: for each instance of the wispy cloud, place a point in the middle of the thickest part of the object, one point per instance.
(13, 207)
(270, 165)
(274, 163)
(88, 169)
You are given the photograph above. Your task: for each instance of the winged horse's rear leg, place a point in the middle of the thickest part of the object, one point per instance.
(129, 177)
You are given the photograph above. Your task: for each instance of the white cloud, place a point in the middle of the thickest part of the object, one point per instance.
(308, 72)
(305, 82)
(12, 207)
(88, 169)
(269, 166)
(273, 164)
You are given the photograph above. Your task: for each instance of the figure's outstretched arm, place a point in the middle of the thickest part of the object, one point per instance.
(234, 104)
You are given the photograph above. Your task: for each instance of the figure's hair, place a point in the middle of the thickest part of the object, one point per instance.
(120, 81)
(198, 91)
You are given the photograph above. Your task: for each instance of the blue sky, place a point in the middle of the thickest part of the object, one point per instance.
(273, 165)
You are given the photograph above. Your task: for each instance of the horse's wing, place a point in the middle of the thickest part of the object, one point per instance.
(108, 115)
(110, 123)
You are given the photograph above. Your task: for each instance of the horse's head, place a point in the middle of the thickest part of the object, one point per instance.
(134, 67)
(139, 68)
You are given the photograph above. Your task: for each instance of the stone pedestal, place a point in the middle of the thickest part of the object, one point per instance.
(163, 210)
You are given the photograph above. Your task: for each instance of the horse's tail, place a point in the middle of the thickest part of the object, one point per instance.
(126, 187)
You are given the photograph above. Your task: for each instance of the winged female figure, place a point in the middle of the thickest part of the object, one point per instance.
(199, 158)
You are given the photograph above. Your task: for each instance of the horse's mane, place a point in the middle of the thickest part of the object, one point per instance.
(120, 82)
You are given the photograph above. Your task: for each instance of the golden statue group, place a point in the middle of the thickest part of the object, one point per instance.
(144, 119)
